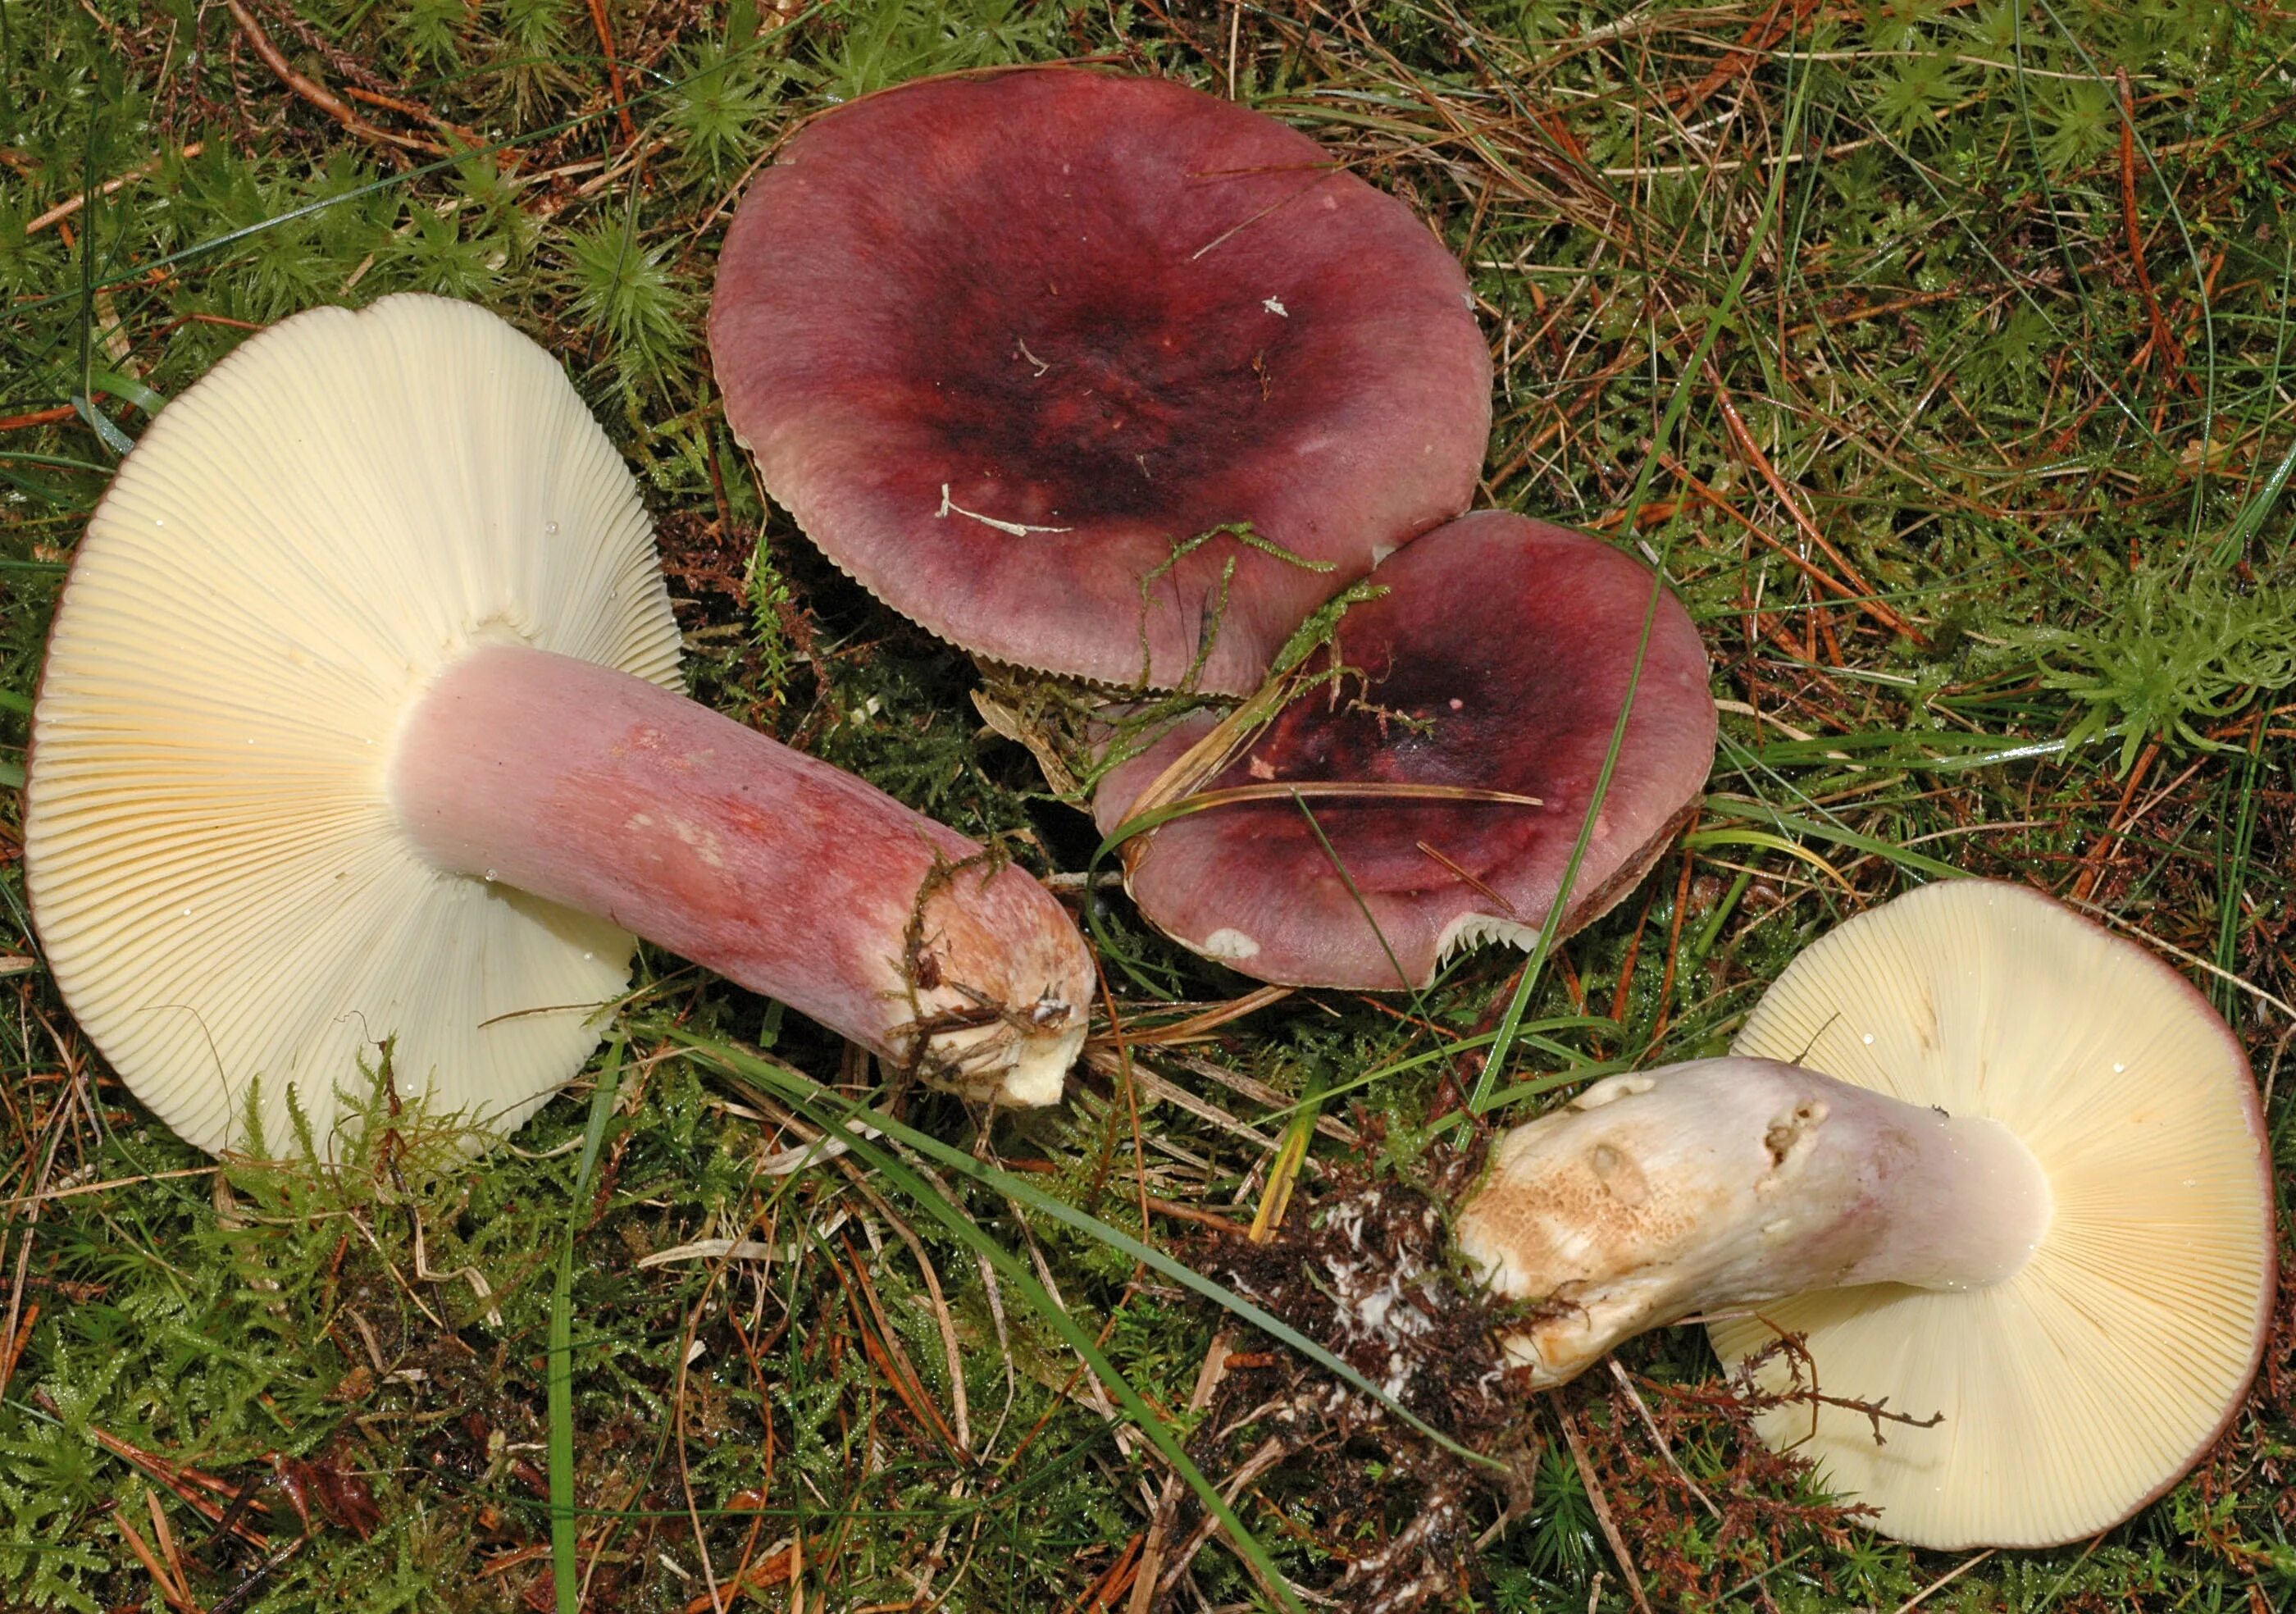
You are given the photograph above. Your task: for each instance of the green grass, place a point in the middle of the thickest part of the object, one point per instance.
(1832, 307)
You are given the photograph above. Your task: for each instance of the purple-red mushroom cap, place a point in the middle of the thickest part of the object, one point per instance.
(1498, 660)
(1007, 347)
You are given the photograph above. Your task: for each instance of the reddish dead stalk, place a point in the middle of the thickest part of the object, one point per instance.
(318, 95)
(599, 20)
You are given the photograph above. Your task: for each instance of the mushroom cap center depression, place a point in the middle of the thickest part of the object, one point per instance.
(1104, 394)
(1435, 717)
(1415, 734)
(1497, 656)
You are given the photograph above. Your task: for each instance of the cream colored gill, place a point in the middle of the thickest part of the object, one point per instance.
(2080, 1388)
(301, 540)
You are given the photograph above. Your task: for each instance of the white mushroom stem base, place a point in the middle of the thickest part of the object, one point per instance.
(607, 794)
(1719, 1185)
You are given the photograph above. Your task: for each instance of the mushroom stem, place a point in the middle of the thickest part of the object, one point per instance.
(1723, 1183)
(607, 794)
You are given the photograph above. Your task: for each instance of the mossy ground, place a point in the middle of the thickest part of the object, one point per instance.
(1976, 489)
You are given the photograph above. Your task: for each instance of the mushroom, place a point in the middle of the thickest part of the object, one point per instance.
(1498, 658)
(1014, 350)
(360, 729)
(2031, 1199)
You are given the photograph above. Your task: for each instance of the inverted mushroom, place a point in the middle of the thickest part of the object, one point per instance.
(2033, 1194)
(1005, 346)
(1498, 660)
(360, 723)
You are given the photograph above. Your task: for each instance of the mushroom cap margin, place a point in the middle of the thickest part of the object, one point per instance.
(2084, 1386)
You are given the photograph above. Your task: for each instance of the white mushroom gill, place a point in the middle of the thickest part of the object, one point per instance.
(217, 882)
(1469, 931)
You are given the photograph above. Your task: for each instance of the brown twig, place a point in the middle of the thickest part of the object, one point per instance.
(172, 1591)
(70, 205)
(1858, 588)
(1599, 1501)
(56, 1125)
(885, 1352)
(1269, 1454)
(1100, 1596)
(2101, 852)
(1126, 1081)
(1622, 993)
(1148, 1570)
(1882, 310)
(198, 1491)
(319, 95)
(408, 109)
(1202, 1218)
(56, 417)
(1625, 1383)
(1743, 58)
(774, 1570)
(1467, 877)
(961, 1411)
(605, 25)
(1199, 1025)
(1674, 936)
(2164, 341)
(1805, 1390)
(13, 1349)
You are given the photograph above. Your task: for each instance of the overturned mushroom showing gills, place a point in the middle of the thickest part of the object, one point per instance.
(1005, 346)
(1499, 659)
(360, 722)
(2033, 1195)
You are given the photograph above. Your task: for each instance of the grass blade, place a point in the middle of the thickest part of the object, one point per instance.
(1676, 405)
(564, 1570)
(833, 1114)
(792, 1086)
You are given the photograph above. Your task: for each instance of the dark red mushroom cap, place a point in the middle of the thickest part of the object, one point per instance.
(1498, 660)
(1001, 344)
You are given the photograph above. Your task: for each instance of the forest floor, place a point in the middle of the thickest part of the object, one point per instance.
(1940, 351)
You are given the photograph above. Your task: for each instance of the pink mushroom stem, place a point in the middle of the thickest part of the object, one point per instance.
(605, 793)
